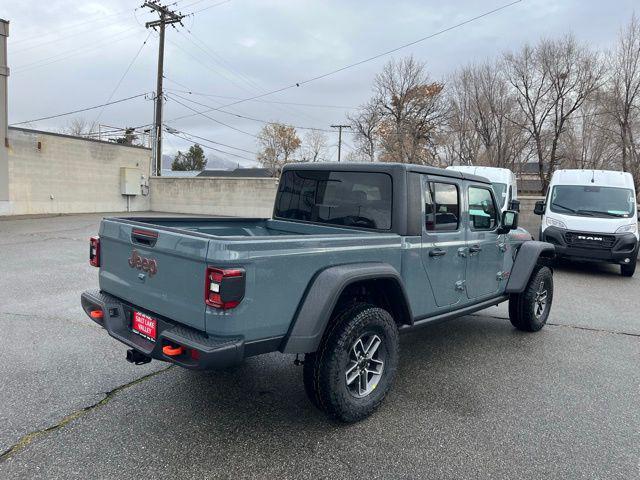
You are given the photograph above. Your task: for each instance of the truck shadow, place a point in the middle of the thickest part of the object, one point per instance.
(440, 370)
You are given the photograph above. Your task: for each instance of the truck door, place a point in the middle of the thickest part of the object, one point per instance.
(443, 239)
(485, 248)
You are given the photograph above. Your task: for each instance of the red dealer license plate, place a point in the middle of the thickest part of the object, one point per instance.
(144, 325)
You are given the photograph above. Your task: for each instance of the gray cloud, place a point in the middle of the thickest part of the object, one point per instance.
(245, 47)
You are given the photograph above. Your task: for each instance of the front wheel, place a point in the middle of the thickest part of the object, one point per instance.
(355, 365)
(529, 310)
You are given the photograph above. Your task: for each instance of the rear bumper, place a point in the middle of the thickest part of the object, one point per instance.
(201, 352)
(624, 246)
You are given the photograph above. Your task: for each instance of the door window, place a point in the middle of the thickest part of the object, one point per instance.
(442, 206)
(482, 209)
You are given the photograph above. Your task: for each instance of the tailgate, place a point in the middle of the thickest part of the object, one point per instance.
(158, 270)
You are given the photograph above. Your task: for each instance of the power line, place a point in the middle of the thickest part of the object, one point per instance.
(205, 8)
(196, 112)
(211, 148)
(113, 92)
(74, 52)
(72, 26)
(171, 129)
(254, 87)
(172, 96)
(374, 57)
(81, 109)
(227, 97)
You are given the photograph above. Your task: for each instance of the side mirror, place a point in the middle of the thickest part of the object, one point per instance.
(539, 208)
(509, 221)
(514, 205)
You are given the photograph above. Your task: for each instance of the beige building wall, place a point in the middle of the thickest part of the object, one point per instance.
(51, 173)
(4, 74)
(239, 197)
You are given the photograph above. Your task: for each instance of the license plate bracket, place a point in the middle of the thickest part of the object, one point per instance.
(144, 325)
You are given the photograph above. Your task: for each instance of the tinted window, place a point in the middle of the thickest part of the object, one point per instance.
(352, 199)
(592, 201)
(442, 208)
(482, 209)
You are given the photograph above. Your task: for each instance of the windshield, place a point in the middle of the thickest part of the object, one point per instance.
(500, 190)
(592, 201)
(352, 199)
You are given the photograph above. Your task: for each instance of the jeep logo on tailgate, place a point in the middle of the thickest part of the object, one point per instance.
(148, 265)
(593, 239)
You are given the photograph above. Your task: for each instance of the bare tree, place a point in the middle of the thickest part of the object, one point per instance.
(314, 147)
(623, 95)
(552, 81)
(462, 142)
(364, 125)
(588, 141)
(278, 144)
(412, 110)
(481, 127)
(78, 127)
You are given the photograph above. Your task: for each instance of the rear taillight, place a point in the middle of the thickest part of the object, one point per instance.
(94, 251)
(224, 287)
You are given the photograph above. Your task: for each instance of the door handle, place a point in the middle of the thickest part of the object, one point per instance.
(437, 252)
(475, 249)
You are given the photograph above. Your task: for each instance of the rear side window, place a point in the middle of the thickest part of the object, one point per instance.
(350, 199)
(482, 209)
(442, 206)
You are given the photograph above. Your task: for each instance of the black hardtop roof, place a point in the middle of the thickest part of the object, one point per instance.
(385, 168)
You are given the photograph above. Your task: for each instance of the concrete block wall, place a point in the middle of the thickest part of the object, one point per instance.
(239, 197)
(51, 173)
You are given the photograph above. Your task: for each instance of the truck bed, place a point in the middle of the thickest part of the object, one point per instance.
(224, 227)
(272, 252)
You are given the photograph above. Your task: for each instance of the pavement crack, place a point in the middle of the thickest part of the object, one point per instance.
(592, 329)
(27, 439)
(566, 325)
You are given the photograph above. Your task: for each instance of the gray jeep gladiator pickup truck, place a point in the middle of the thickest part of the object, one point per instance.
(353, 254)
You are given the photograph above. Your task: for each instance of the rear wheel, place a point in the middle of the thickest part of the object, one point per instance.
(355, 365)
(529, 310)
(629, 269)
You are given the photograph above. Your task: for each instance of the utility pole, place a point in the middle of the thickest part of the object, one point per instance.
(167, 17)
(340, 127)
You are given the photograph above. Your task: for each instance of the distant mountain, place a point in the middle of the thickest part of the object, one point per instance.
(213, 162)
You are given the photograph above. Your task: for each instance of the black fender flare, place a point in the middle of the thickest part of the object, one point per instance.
(527, 258)
(322, 295)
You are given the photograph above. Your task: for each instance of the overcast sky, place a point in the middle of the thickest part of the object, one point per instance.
(68, 54)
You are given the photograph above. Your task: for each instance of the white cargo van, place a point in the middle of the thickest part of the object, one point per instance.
(503, 180)
(592, 215)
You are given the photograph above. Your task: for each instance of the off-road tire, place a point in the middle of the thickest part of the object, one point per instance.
(629, 269)
(324, 370)
(524, 308)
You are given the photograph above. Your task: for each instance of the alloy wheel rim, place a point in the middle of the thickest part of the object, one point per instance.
(540, 301)
(365, 365)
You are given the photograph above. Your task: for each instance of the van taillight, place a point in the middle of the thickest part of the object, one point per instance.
(224, 287)
(94, 251)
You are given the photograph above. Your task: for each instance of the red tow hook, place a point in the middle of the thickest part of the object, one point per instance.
(171, 351)
(96, 314)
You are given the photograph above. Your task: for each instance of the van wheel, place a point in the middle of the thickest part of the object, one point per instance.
(629, 269)
(529, 310)
(355, 365)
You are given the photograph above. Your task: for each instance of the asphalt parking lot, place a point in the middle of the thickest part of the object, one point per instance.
(474, 398)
